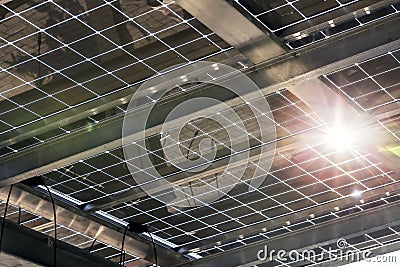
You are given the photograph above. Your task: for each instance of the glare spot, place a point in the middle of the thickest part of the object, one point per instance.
(356, 193)
(340, 138)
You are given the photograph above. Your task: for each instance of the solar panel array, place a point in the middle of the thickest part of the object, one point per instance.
(64, 56)
(301, 178)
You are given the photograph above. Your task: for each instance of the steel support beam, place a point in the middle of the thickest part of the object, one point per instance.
(38, 248)
(308, 238)
(2, 2)
(292, 33)
(90, 226)
(234, 28)
(271, 76)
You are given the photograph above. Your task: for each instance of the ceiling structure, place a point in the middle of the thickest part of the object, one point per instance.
(70, 68)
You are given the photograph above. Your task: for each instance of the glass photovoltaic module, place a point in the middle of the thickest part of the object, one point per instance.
(372, 85)
(298, 23)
